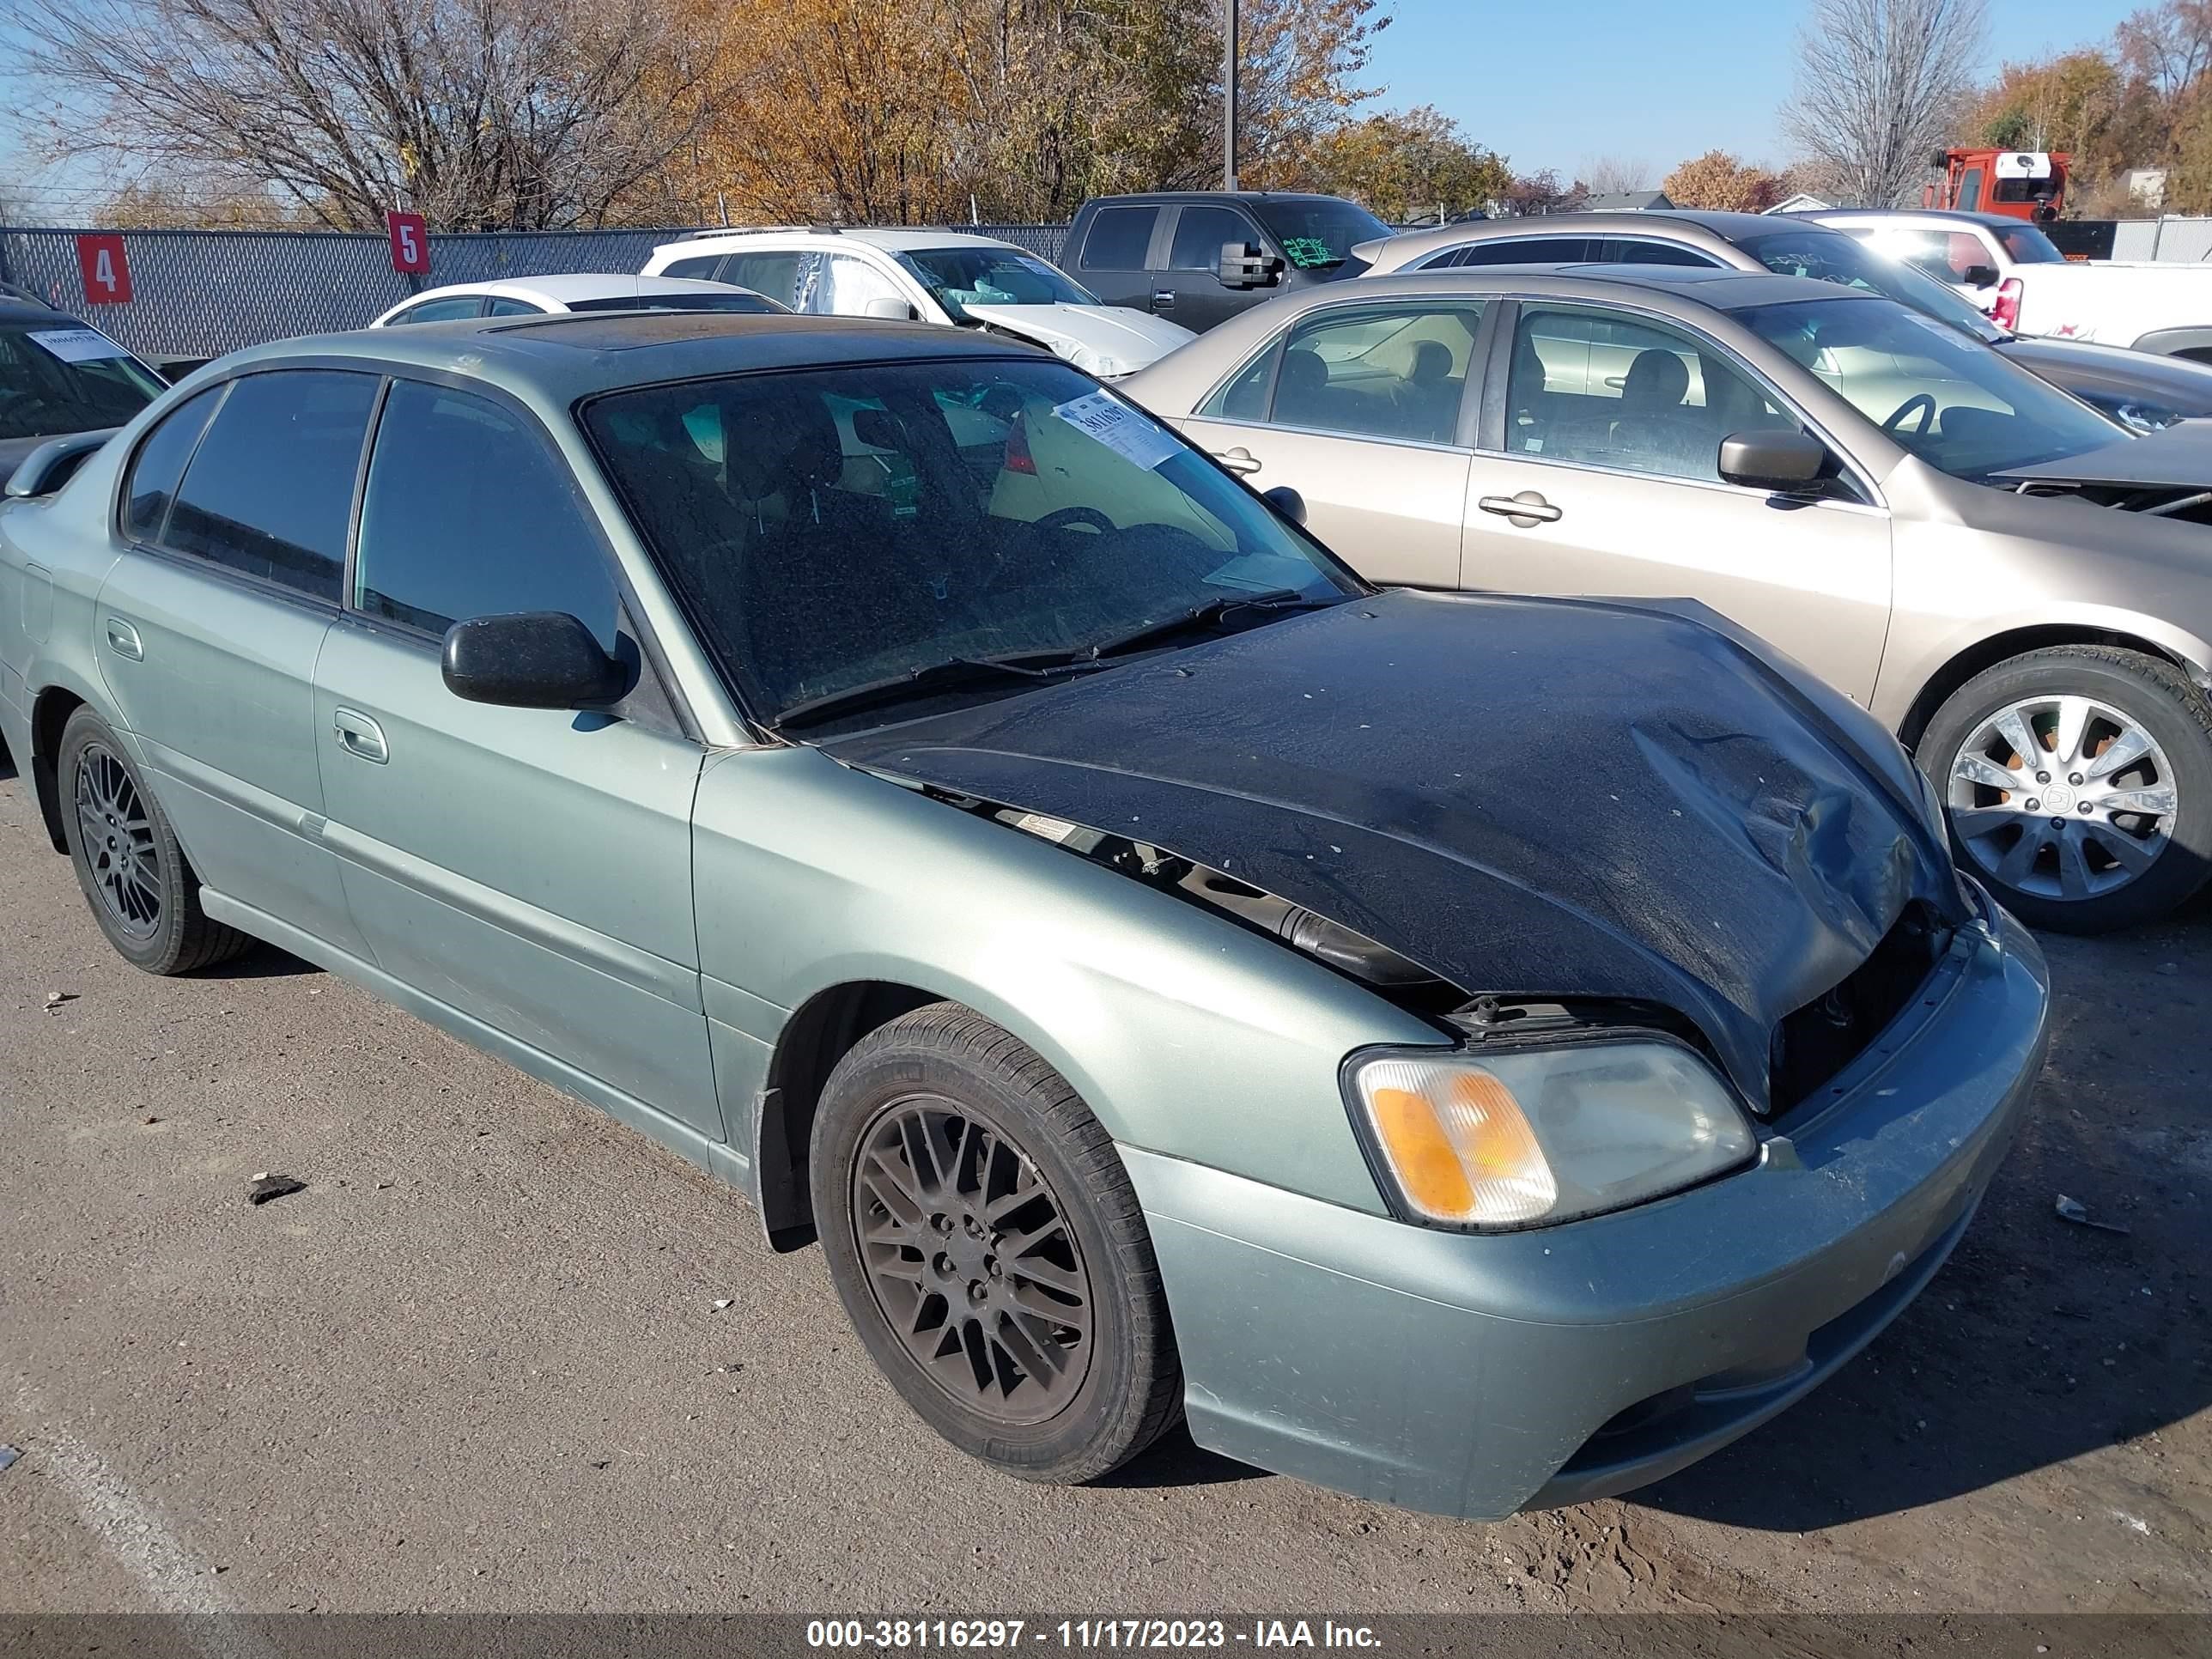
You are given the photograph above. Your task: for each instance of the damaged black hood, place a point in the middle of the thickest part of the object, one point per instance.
(2178, 456)
(1530, 797)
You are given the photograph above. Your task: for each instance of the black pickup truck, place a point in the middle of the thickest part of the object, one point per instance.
(1198, 256)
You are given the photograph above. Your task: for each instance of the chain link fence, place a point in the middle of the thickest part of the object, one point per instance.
(201, 293)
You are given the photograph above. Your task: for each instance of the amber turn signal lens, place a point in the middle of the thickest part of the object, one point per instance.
(1427, 1167)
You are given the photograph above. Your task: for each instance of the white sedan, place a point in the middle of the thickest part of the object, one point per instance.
(532, 296)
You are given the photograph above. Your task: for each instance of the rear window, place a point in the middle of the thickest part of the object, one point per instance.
(1119, 238)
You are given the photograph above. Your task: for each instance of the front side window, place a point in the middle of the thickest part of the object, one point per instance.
(1601, 388)
(1318, 233)
(441, 311)
(501, 306)
(1120, 238)
(1201, 233)
(1383, 372)
(1829, 256)
(2029, 246)
(1637, 251)
(1956, 404)
(840, 285)
(469, 513)
(160, 463)
(63, 377)
(957, 277)
(834, 530)
(270, 491)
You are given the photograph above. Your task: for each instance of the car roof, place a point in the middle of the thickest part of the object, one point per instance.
(19, 311)
(578, 285)
(573, 354)
(1167, 196)
(891, 241)
(1948, 215)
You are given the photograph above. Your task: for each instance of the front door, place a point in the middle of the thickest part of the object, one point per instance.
(1604, 481)
(211, 618)
(1190, 290)
(1361, 409)
(529, 868)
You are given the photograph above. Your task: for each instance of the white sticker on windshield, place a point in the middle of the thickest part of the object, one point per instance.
(1119, 427)
(77, 345)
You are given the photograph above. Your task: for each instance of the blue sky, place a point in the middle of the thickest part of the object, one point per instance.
(1555, 84)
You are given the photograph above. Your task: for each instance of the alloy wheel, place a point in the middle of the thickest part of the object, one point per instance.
(2063, 797)
(968, 1256)
(116, 836)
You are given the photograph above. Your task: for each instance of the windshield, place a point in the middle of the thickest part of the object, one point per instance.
(831, 530)
(2028, 246)
(1317, 233)
(61, 376)
(1954, 403)
(753, 303)
(1832, 256)
(960, 277)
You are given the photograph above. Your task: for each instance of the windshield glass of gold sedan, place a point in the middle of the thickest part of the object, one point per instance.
(832, 531)
(61, 376)
(1955, 404)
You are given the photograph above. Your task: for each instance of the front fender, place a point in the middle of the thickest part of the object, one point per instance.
(1187, 1034)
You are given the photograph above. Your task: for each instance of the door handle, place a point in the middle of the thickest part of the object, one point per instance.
(123, 640)
(358, 734)
(1239, 460)
(1523, 510)
(1162, 296)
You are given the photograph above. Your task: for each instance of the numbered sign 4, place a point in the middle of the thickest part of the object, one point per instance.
(410, 244)
(106, 270)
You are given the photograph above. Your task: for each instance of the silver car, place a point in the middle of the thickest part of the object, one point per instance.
(882, 765)
(2014, 585)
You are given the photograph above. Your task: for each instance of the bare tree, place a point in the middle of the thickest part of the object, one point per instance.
(479, 114)
(1880, 85)
(1616, 175)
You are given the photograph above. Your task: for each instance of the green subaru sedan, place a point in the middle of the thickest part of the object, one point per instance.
(1473, 1051)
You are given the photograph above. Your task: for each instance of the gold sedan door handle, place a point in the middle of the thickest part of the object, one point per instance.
(1524, 510)
(1240, 460)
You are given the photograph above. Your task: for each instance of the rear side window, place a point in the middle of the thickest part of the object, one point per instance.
(1531, 251)
(702, 267)
(1120, 237)
(468, 513)
(776, 274)
(500, 306)
(269, 492)
(1199, 236)
(161, 463)
(441, 311)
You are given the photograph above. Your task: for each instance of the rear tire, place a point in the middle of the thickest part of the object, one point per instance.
(989, 1251)
(2046, 830)
(142, 894)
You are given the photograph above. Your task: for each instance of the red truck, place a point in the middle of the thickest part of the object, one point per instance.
(2018, 183)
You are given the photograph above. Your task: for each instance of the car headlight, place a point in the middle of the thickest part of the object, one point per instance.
(1524, 1137)
(1104, 364)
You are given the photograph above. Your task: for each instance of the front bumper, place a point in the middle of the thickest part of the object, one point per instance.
(1478, 1375)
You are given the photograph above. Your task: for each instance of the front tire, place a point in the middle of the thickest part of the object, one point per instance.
(989, 1251)
(2078, 785)
(142, 894)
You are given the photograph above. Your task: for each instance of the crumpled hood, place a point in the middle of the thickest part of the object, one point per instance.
(2178, 456)
(1547, 798)
(1130, 339)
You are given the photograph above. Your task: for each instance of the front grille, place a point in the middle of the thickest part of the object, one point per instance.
(1817, 1041)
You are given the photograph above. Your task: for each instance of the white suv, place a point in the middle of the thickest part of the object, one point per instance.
(932, 277)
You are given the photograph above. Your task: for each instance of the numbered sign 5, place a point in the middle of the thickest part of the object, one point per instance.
(106, 270)
(410, 244)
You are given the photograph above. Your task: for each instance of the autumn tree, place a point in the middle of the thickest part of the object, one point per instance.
(1617, 175)
(1718, 181)
(477, 114)
(1542, 193)
(1403, 166)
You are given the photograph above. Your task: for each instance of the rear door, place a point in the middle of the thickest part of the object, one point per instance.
(1362, 407)
(209, 624)
(528, 867)
(1597, 474)
(1114, 259)
(1189, 289)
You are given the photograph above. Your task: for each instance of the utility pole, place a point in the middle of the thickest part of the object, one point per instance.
(1228, 94)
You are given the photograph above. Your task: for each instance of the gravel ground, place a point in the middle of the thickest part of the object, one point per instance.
(477, 1364)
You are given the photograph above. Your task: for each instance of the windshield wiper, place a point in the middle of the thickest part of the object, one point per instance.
(1205, 616)
(1034, 666)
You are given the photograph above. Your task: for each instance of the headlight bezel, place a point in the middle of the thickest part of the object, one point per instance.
(1386, 1176)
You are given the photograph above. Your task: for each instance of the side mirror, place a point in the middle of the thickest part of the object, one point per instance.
(1981, 277)
(1286, 502)
(889, 309)
(1243, 265)
(1780, 460)
(53, 463)
(538, 659)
